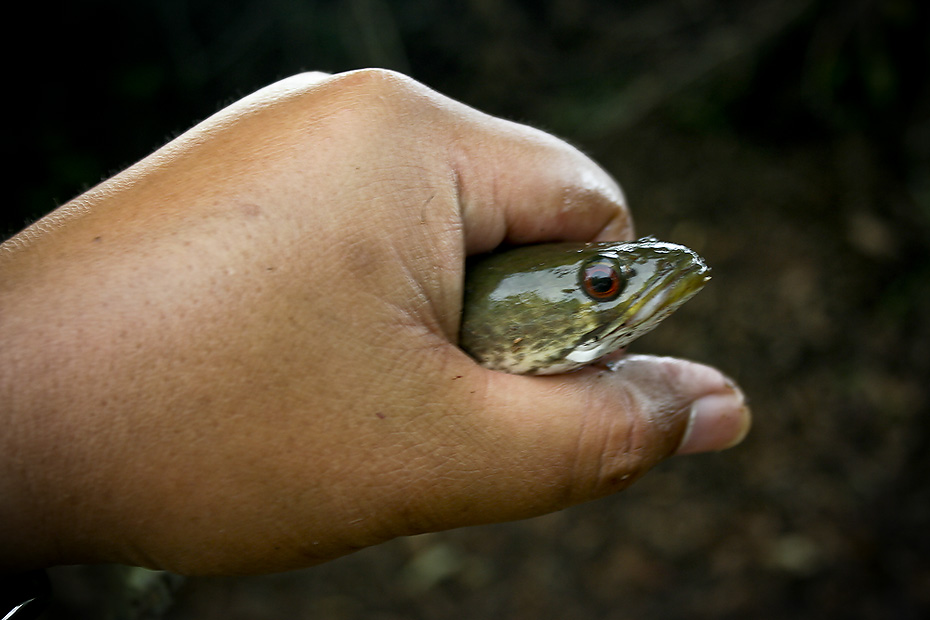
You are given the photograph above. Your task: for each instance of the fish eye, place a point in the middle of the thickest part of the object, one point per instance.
(602, 279)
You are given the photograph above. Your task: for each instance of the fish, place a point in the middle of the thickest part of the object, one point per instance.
(557, 307)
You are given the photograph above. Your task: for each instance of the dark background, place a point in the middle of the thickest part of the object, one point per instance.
(788, 141)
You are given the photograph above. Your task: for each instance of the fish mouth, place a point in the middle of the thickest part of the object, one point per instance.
(667, 288)
(662, 294)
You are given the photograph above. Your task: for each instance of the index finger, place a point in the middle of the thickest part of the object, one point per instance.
(513, 183)
(521, 185)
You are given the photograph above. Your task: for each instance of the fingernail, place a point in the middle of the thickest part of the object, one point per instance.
(718, 421)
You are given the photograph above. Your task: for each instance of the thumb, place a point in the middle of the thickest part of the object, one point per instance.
(594, 432)
(716, 416)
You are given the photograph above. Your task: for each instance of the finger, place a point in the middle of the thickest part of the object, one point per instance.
(521, 185)
(514, 183)
(594, 432)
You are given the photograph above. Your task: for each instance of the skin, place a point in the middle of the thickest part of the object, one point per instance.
(238, 355)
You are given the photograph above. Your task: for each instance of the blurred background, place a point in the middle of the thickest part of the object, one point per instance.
(788, 141)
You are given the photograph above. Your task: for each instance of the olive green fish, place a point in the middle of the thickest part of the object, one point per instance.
(553, 308)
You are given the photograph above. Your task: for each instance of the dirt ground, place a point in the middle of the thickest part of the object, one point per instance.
(811, 202)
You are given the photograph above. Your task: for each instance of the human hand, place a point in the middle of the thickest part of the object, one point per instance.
(238, 356)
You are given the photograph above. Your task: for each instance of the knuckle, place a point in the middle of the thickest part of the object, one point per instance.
(378, 88)
(374, 102)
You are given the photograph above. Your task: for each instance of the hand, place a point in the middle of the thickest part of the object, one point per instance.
(239, 354)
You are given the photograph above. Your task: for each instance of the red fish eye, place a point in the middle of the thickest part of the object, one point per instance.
(601, 279)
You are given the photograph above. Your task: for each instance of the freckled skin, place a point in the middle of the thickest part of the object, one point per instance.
(526, 311)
